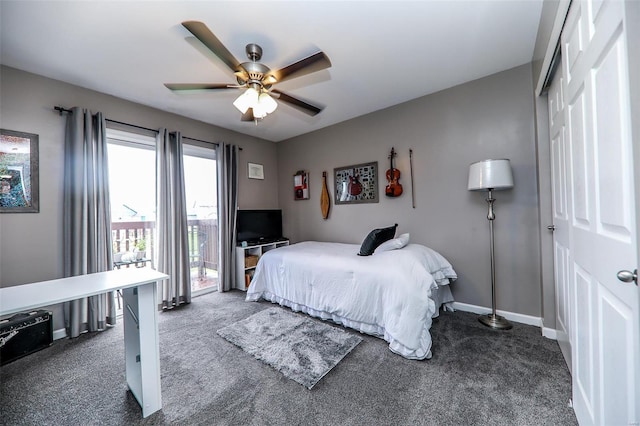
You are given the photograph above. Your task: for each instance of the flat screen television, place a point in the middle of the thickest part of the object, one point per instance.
(254, 226)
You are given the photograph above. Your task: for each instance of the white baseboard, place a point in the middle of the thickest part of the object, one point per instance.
(550, 333)
(511, 316)
(59, 334)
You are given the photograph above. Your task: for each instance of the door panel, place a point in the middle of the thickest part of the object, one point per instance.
(563, 301)
(614, 171)
(583, 343)
(580, 179)
(559, 182)
(617, 318)
(573, 46)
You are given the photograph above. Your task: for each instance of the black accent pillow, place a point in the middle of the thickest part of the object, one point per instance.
(375, 238)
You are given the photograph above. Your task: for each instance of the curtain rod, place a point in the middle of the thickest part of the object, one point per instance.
(63, 109)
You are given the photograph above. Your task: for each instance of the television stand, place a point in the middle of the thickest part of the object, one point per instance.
(247, 259)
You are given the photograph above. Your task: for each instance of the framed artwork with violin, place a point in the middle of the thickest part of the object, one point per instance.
(356, 184)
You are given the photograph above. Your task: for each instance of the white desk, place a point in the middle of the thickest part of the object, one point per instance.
(142, 355)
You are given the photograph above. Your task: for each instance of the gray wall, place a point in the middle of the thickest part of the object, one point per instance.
(31, 243)
(488, 118)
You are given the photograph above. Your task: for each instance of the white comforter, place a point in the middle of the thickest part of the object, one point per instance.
(387, 294)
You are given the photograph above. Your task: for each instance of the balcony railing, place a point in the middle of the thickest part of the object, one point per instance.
(202, 237)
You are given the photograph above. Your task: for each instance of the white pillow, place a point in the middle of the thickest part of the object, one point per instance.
(396, 243)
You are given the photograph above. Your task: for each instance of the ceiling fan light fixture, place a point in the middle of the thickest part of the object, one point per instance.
(247, 100)
(267, 102)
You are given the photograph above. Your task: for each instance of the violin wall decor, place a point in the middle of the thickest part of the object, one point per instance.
(393, 188)
(356, 184)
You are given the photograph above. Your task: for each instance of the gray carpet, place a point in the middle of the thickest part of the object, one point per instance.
(301, 348)
(477, 376)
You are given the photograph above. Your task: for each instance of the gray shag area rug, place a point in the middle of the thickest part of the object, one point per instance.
(301, 348)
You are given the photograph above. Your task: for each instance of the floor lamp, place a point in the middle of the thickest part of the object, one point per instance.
(491, 175)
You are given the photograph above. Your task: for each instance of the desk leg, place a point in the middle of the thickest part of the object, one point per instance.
(142, 356)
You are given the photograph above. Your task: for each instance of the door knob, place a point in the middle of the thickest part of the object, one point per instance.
(628, 276)
(551, 227)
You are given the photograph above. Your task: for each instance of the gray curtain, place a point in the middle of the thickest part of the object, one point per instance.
(87, 218)
(227, 158)
(172, 249)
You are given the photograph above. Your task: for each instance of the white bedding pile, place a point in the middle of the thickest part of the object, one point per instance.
(386, 295)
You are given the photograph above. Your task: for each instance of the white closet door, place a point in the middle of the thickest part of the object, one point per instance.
(605, 318)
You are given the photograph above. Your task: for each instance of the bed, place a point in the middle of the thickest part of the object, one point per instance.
(391, 294)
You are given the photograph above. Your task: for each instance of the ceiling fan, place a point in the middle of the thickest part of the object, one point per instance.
(257, 100)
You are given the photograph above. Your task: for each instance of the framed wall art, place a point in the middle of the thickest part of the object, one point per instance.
(19, 184)
(255, 171)
(356, 184)
(301, 185)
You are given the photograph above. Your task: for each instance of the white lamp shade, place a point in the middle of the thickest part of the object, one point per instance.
(267, 102)
(265, 105)
(247, 100)
(490, 174)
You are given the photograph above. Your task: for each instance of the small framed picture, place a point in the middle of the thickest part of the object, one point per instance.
(256, 171)
(301, 185)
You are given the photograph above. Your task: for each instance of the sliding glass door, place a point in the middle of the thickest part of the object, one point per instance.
(202, 211)
(132, 174)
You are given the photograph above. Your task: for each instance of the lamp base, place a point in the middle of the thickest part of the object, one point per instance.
(495, 321)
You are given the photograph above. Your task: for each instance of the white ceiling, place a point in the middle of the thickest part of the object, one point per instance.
(383, 53)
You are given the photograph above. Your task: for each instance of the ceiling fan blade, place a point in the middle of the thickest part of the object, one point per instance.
(204, 34)
(297, 103)
(248, 116)
(308, 65)
(198, 86)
